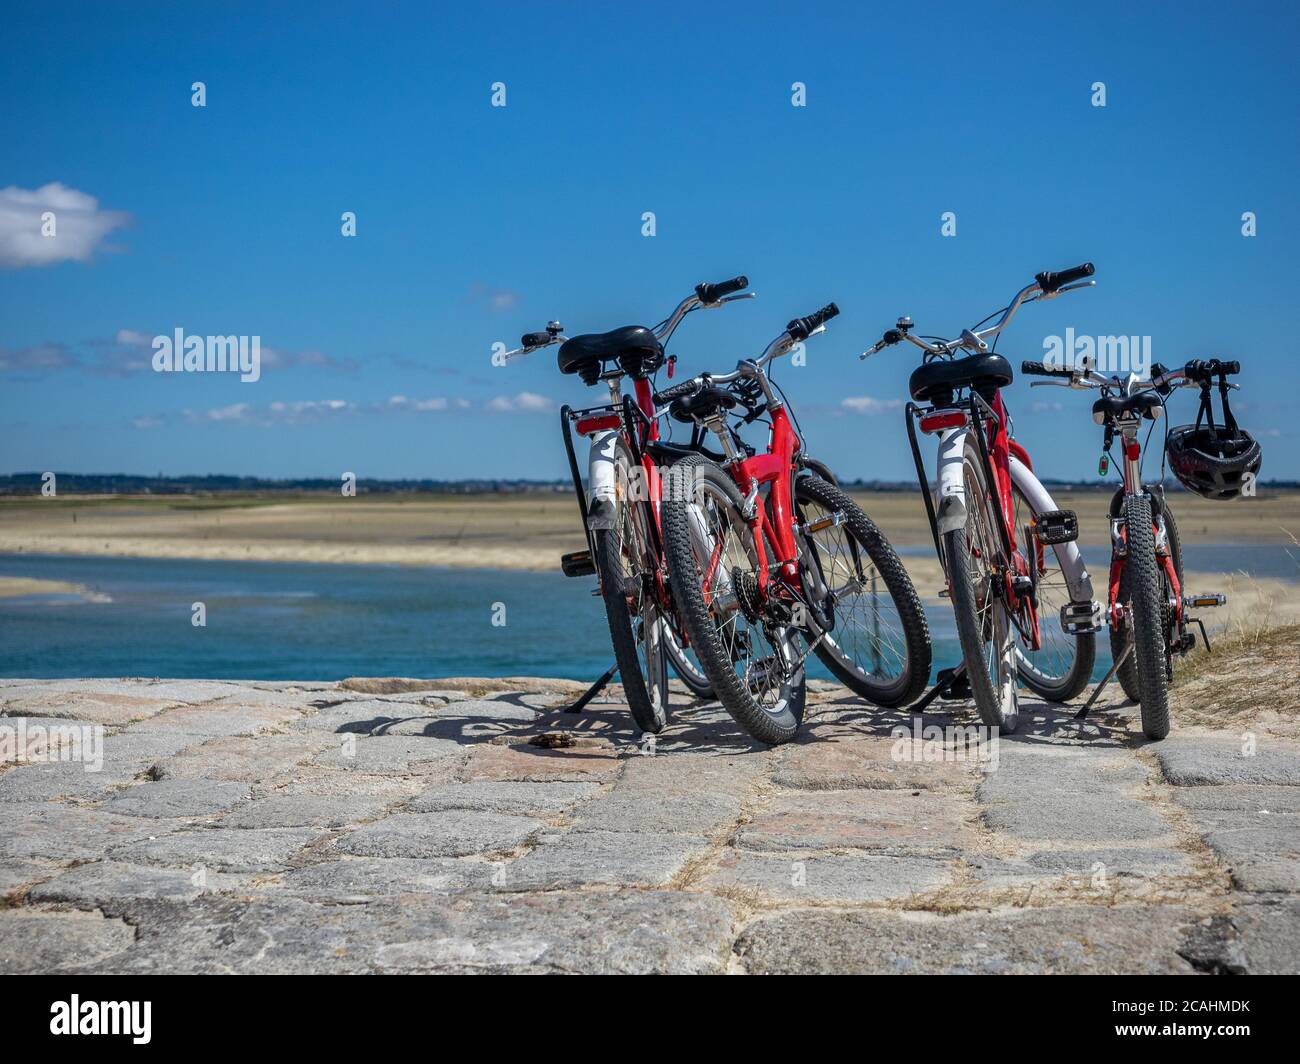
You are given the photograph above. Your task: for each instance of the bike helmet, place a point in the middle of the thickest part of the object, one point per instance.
(1213, 460)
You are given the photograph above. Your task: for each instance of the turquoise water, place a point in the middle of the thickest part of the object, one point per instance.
(274, 621)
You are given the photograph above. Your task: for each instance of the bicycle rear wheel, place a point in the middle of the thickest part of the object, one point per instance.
(976, 559)
(627, 564)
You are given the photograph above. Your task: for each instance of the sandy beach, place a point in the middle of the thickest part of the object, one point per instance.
(478, 531)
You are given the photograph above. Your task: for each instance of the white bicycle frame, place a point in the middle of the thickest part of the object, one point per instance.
(951, 509)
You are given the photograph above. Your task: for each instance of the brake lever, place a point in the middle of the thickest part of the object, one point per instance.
(731, 299)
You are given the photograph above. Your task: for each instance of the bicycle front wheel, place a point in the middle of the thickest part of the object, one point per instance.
(877, 642)
(754, 661)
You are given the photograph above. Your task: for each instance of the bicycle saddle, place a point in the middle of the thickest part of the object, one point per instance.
(937, 379)
(1144, 404)
(634, 347)
(704, 403)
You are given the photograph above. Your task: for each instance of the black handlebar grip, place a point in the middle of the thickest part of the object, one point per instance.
(802, 328)
(1037, 369)
(1052, 282)
(677, 391)
(1204, 369)
(536, 339)
(711, 293)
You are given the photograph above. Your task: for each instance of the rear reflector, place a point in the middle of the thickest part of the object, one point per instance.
(944, 419)
(588, 425)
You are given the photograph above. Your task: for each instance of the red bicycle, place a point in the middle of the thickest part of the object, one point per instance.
(620, 506)
(769, 560)
(987, 491)
(1149, 622)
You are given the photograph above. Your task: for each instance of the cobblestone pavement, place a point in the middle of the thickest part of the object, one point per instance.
(465, 825)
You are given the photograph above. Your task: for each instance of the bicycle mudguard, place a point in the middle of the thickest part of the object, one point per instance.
(602, 480)
(1068, 554)
(950, 512)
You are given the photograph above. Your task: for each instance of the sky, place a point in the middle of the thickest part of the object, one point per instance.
(476, 223)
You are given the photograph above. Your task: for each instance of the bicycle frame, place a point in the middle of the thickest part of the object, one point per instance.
(774, 468)
(634, 422)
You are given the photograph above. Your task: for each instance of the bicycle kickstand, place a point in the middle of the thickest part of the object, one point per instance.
(1128, 649)
(592, 691)
(940, 689)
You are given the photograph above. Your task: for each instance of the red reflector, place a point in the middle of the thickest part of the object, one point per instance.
(947, 419)
(588, 425)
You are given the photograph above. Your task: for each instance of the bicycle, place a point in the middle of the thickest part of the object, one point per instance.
(986, 491)
(760, 582)
(620, 507)
(1147, 605)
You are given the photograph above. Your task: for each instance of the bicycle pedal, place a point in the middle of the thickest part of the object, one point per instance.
(959, 690)
(1080, 618)
(1056, 526)
(1204, 601)
(578, 563)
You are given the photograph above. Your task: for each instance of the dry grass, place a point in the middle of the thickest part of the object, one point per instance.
(1249, 679)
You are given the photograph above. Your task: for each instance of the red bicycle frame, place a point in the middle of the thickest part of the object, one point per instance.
(776, 468)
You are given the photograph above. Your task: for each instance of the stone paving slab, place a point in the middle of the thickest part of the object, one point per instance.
(607, 858)
(1073, 940)
(887, 821)
(92, 886)
(454, 833)
(222, 849)
(637, 933)
(411, 825)
(40, 943)
(176, 798)
(846, 878)
(1211, 761)
(46, 782)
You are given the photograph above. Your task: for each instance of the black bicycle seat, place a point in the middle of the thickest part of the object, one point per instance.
(935, 380)
(704, 403)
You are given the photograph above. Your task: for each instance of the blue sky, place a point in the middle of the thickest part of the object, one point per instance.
(477, 223)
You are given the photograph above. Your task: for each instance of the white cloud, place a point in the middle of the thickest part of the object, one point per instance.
(497, 300)
(38, 358)
(521, 403)
(401, 402)
(79, 225)
(865, 404)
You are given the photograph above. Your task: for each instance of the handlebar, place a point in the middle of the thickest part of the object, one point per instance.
(678, 391)
(706, 295)
(1196, 371)
(1037, 369)
(802, 328)
(1046, 285)
(1051, 282)
(712, 293)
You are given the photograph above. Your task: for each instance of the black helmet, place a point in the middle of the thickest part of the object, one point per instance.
(1213, 461)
